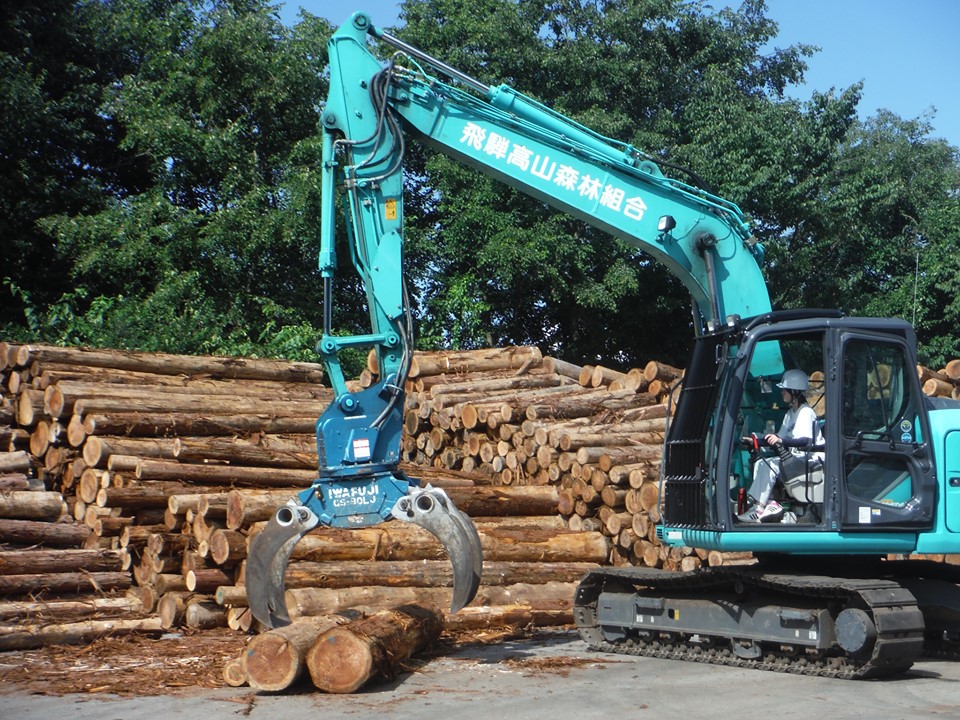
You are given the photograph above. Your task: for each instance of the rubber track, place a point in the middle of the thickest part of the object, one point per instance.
(890, 605)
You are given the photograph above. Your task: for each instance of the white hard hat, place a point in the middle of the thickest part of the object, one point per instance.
(795, 380)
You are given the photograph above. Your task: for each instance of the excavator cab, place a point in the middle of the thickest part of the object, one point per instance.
(877, 474)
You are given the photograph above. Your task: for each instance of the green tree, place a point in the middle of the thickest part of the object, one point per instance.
(215, 253)
(882, 231)
(59, 154)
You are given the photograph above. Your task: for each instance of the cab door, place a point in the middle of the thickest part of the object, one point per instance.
(888, 480)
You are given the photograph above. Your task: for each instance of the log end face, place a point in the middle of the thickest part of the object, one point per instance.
(270, 664)
(340, 662)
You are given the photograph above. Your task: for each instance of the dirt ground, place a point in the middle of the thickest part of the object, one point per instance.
(143, 665)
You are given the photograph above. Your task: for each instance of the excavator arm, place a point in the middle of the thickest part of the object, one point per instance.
(371, 110)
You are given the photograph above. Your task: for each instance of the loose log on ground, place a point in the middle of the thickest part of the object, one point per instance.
(35, 636)
(233, 674)
(58, 609)
(275, 659)
(343, 659)
(499, 616)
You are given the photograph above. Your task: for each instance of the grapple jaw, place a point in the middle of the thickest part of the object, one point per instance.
(268, 558)
(433, 510)
(429, 507)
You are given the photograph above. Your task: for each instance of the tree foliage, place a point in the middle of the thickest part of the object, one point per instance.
(160, 184)
(211, 249)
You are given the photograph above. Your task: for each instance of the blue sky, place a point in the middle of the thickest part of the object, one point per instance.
(906, 53)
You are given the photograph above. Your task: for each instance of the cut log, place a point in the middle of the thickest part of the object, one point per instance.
(206, 580)
(224, 474)
(17, 562)
(227, 547)
(168, 364)
(274, 660)
(37, 636)
(655, 370)
(73, 609)
(604, 376)
(405, 542)
(30, 505)
(500, 616)
(952, 369)
(424, 573)
(13, 462)
(169, 424)
(191, 404)
(96, 450)
(73, 582)
(203, 614)
(561, 367)
(200, 450)
(321, 601)
(344, 659)
(34, 532)
(233, 674)
(253, 505)
(473, 360)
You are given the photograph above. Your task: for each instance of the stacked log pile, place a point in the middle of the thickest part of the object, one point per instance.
(593, 433)
(168, 464)
(941, 383)
(98, 435)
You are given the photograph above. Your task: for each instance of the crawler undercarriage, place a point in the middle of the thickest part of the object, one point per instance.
(765, 618)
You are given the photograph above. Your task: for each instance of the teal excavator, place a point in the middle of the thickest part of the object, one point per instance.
(834, 591)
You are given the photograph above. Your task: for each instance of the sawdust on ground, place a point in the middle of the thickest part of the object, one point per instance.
(142, 664)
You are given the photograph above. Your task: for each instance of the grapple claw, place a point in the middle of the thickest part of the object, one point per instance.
(432, 509)
(267, 562)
